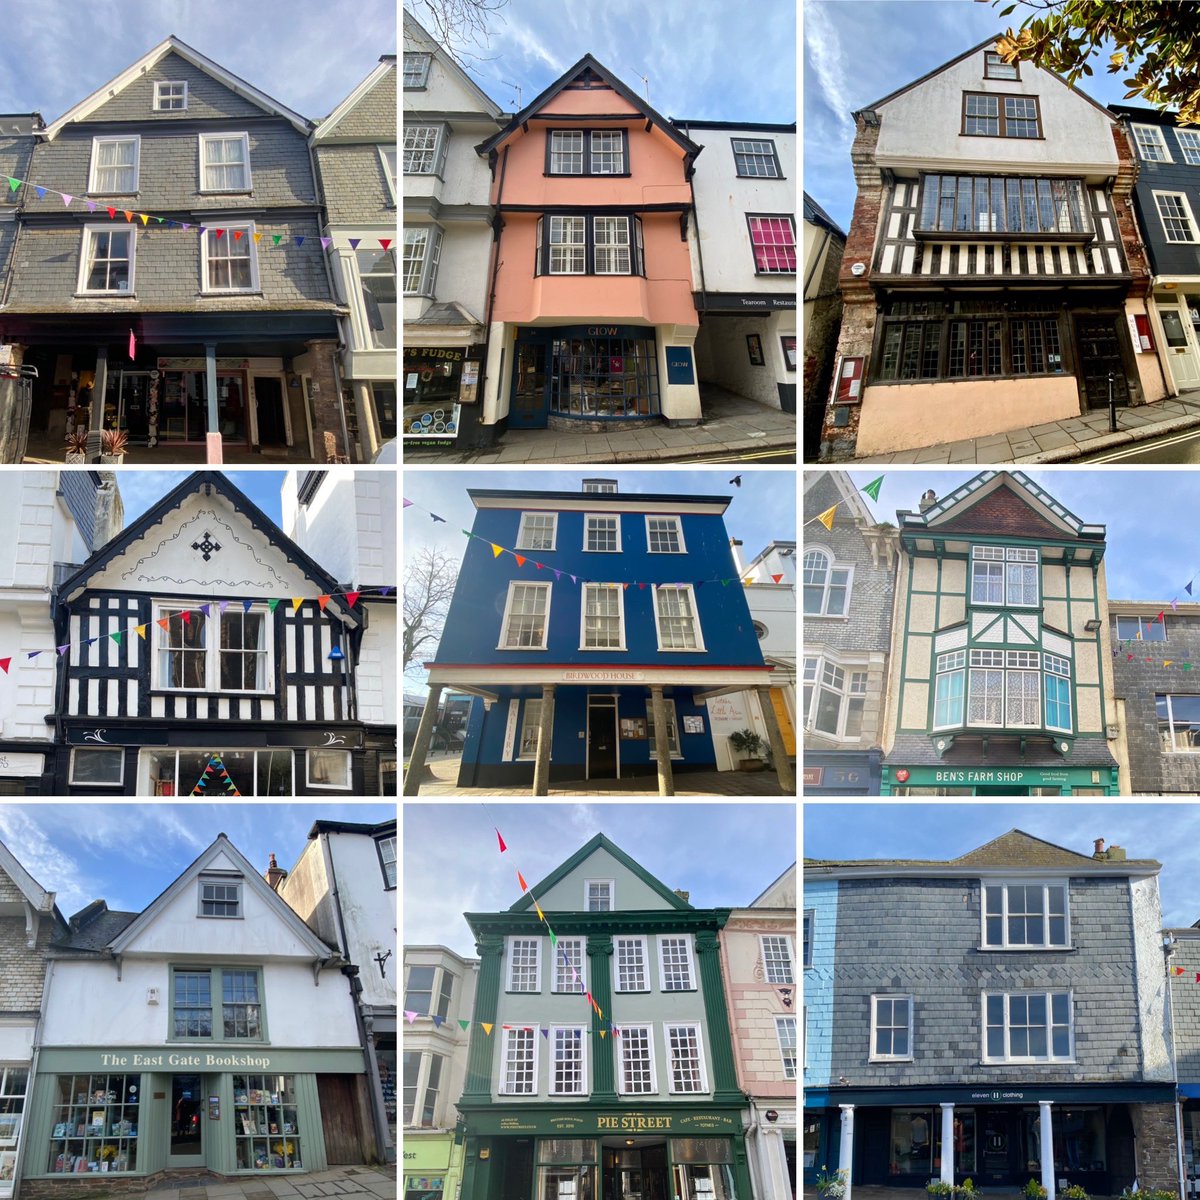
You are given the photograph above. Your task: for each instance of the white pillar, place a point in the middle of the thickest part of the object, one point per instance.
(948, 1144)
(846, 1147)
(1046, 1136)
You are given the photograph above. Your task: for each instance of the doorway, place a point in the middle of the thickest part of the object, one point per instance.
(341, 1120)
(1100, 356)
(187, 1121)
(127, 404)
(529, 409)
(603, 758)
(635, 1172)
(1180, 316)
(268, 402)
(998, 1146)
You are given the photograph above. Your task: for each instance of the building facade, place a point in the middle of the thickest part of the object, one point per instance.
(744, 258)
(818, 926)
(824, 245)
(1001, 678)
(1182, 948)
(355, 153)
(169, 280)
(238, 1056)
(761, 989)
(1026, 1038)
(447, 245)
(653, 1108)
(148, 697)
(594, 322)
(849, 596)
(593, 645)
(439, 994)
(993, 267)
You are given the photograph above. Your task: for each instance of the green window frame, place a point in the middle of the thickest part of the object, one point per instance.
(217, 1004)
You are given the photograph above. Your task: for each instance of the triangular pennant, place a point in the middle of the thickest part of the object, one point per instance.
(187, 616)
(63, 649)
(383, 591)
(41, 192)
(553, 939)
(826, 518)
(32, 654)
(238, 234)
(144, 217)
(13, 184)
(503, 847)
(116, 637)
(1167, 662)
(557, 574)
(5, 663)
(487, 1027)
(385, 242)
(497, 550)
(164, 623)
(352, 598)
(436, 519)
(257, 238)
(248, 604)
(520, 560)
(220, 234)
(296, 602)
(277, 238)
(272, 605)
(299, 241)
(91, 206)
(185, 225)
(1188, 587)
(541, 915)
(410, 1016)
(546, 1033)
(322, 601)
(438, 1021)
(776, 578)
(354, 242)
(326, 242)
(521, 881)
(872, 488)
(205, 609)
(112, 212)
(463, 1025)
(602, 1033)
(128, 215)
(223, 605)
(66, 199)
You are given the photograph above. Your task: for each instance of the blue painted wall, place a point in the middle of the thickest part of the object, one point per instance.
(472, 630)
(821, 897)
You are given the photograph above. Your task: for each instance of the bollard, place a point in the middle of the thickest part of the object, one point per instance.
(1112, 404)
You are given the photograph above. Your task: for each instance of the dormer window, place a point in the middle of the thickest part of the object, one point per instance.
(587, 152)
(170, 96)
(221, 896)
(994, 67)
(416, 70)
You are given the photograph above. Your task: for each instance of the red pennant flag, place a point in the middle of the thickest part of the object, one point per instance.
(385, 242)
(4, 664)
(1159, 617)
(520, 560)
(521, 881)
(164, 623)
(220, 233)
(776, 578)
(322, 601)
(503, 847)
(351, 598)
(132, 345)
(238, 234)
(187, 617)
(112, 212)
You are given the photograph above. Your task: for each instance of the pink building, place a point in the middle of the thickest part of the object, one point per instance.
(591, 320)
(758, 962)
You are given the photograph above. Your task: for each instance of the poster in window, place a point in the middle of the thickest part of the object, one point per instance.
(8, 1165)
(789, 351)
(693, 724)
(633, 729)
(755, 350)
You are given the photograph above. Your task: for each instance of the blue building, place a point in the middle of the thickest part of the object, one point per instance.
(592, 627)
(820, 1119)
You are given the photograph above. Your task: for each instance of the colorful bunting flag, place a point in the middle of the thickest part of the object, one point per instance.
(872, 488)
(826, 518)
(503, 847)
(296, 602)
(521, 881)
(487, 1027)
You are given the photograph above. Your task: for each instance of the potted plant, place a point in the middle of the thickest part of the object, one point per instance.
(831, 1185)
(749, 747)
(113, 444)
(1074, 1192)
(943, 1191)
(1034, 1190)
(77, 446)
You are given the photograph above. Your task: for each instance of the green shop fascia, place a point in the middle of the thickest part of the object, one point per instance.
(143, 1109)
(958, 780)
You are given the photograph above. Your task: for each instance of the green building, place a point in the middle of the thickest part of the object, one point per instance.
(634, 1095)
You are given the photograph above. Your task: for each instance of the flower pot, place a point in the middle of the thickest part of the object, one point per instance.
(112, 460)
(76, 456)
(750, 764)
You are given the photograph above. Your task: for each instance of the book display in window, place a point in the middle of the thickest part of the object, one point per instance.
(267, 1123)
(95, 1124)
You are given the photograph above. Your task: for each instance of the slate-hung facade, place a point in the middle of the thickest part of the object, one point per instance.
(1029, 1034)
(1001, 678)
(655, 1110)
(604, 676)
(236, 336)
(849, 586)
(1182, 947)
(993, 266)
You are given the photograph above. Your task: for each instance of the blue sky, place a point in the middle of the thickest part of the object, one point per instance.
(142, 489)
(1168, 833)
(1152, 549)
(127, 854)
(858, 51)
(704, 58)
(724, 855)
(307, 54)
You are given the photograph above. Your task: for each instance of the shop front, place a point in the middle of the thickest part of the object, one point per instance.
(432, 1166)
(604, 1152)
(438, 382)
(14, 1086)
(1064, 780)
(841, 773)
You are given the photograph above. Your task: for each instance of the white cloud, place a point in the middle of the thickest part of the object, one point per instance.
(823, 50)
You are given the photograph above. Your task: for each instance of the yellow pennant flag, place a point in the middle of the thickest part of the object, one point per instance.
(826, 518)
(602, 1033)
(141, 631)
(487, 1028)
(257, 238)
(497, 550)
(541, 915)
(1167, 662)
(296, 602)
(145, 218)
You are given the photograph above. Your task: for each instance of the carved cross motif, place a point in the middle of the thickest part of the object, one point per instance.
(206, 546)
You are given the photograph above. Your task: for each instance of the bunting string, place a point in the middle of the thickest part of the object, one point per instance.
(826, 518)
(215, 772)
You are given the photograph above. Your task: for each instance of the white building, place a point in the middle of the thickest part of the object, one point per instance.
(447, 238)
(355, 152)
(344, 887)
(347, 522)
(744, 258)
(211, 1031)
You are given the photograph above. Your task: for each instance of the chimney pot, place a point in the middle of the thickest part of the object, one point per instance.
(1098, 848)
(274, 874)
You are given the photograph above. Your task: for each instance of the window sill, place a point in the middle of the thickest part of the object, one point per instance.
(682, 650)
(519, 649)
(104, 296)
(604, 649)
(1026, 949)
(1030, 377)
(232, 292)
(996, 235)
(827, 616)
(890, 1059)
(94, 783)
(762, 178)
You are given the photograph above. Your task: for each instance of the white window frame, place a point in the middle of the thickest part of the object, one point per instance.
(86, 252)
(437, 152)
(612, 247)
(566, 986)
(648, 1030)
(76, 750)
(678, 533)
(702, 1066)
(136, 139)
(855, 686)
(790, 959)
(587, 898)
(584, 1039)
(159, 84)
(643, 944)
(699, 647)
(568, 139)
(751, 149)
(524, 755)
(1144, 134)
(244, 138)
(523, 543)
(875, 1056)
(220, 879)
(387, 159)
(230, 228)
(508, 600)
(1004, 943)
(673, 746)
(506, 1036)
(1007, 996)
(426, 60)
(584, 592)
(606, 487)
(431, 253)
(212, 651)
(780, 1024)
(1005, 557)
(807, 931)
(686, 938)
(509, 943)
(1189, 145)
(831, 565)
(1186, 206)
(589, 517)
(329, 787)
(569, 224)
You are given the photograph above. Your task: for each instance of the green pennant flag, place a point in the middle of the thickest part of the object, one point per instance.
(272, 605)
(1187, 666)
(466, 531)
(116, 637)
(463, 1025)
(277, 238)
(13, 183)
(553, 939)
(872, 488)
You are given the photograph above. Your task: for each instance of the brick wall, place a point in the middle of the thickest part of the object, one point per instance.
(1122, 194)
(1156, 1138)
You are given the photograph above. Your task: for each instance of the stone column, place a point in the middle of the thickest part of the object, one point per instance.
(478, 1084)
(846, 1148)
(662, 742)
(541, 764)
(783, 765)
(212, 438)
(1046, 1137)
(416, 760)
(948, 1144)
(599, 983)
(368, 421)
(96, 417)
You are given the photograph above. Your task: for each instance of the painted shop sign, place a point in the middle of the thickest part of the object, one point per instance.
(602, 676)
(72, 1060)
(244, 1061)
(587, 1123)
(1000, 775)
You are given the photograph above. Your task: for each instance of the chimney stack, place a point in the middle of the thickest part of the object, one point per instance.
(274, 874)
(1098, 848)
(682, 895)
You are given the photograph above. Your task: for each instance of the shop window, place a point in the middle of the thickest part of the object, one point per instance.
(599, 378)
(891, 1028)
(776, 958)
(252, 772)
(1141, 629)
(97, 768)
(422, 985)
(524, 964)
(636, 1069)
(598, 895)
(266, 1123)
(1027, 1027)
(518, 1062)
(526, 616)
(387, 860)
(587, 152)
(602, 617)
(229, 259)
(220, 896)
(14, 1083)
(631, 958)
(224, 162)
(328, 769)
(785, 1033)
(675, 619)
(170, 95)
(94, 1124)
(567, 1169)
(196, 994)
(538, 531)
(1080, 1140)
(377, 273)
(569, 971)
(568, 1067)
(106, 260)
(422, 1083)
(703, 1168)
(672, 730)
(911, 1141)
(422, 250)
(756, 158)
(773, 240)
(664, 535)
(531, 720)
(115, 163)
(675, 972)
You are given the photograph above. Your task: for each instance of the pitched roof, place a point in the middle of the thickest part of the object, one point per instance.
(107, 91)
(814, 214)
(848, 495)
(40, 900)
(450, 63)
(325, 127)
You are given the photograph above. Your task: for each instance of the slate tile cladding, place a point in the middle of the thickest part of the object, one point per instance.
(921, 937)
(1185, 1003)
(374, 115)
(354, 186)
(1154, 771)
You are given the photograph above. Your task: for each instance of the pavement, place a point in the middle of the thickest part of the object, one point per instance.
(337, 1181)
(1062, 441)
(731, 425)
(442, 775)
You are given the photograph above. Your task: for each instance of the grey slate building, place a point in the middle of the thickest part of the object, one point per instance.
(177, 204)
(849, 583)
(999, 1016)
(1183, 958)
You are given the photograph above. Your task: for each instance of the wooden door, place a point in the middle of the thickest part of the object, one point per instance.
(602, 741)
(340, 1120)
(779, 704)
(528, 409)
(1100, 354)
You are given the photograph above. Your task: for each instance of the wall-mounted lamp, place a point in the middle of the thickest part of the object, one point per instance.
(1091, 626)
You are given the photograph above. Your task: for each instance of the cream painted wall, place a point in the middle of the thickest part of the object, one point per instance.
(631, 893)
(1149, 366)
(368, 910)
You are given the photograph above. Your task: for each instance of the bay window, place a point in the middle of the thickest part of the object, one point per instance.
(835, 697)
(1005, 575)
(1005, 688)
(422, 249)
(586, 244)
(1030, 205)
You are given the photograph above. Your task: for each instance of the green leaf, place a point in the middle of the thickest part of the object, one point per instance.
(1005, 11)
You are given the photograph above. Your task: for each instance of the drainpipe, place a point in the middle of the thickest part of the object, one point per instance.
(491, 303)
(687, 132)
